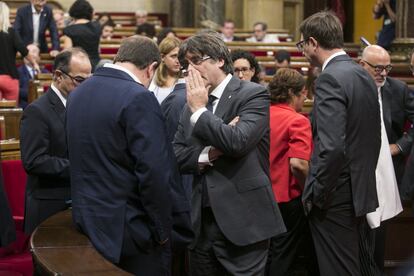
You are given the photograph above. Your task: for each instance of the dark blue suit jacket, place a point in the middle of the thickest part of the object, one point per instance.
(23, 25)
(24, 78)
(123, 172)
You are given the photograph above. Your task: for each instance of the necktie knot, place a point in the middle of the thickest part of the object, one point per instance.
(211, 99)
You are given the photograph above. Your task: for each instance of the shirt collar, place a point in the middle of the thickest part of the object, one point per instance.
(35, 11)
(340, 53)
(123, 69)
(218, 91)
(63, 100)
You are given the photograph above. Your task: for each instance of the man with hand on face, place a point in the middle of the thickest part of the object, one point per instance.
(43, 141)
(223, 140)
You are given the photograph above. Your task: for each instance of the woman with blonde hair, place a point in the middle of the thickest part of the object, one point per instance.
(10, 44)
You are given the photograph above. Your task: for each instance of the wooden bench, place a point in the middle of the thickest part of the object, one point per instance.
(12, 118)
(58, 248)
(10, 149)
(38, 86)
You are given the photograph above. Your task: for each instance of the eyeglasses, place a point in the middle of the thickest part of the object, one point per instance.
(193, 60)
(242, 70)
(412, 68)
(301, 44)
(379, 68)
(76, 79)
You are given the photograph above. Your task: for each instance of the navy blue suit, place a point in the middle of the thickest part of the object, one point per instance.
(23, 25)
(124, 172)
(24, 79)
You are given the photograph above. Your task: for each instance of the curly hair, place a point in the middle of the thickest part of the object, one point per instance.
(239, 54)
(285, 84)
(81, 9)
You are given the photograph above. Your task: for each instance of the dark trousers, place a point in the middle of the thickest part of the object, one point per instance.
(293, 250)
(154, 261)
(372, 248)
(335, 233)
(214, 255)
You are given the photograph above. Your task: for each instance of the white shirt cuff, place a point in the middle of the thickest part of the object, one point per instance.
(196, 115)
(203, 157)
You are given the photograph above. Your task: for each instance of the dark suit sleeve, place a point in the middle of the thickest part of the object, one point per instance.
(53, 32)
(18, 43)
(241, 139)
(34, 144)
(18, 23)
(186, 150)
(406, 141)
(147, 143)
(331, 121)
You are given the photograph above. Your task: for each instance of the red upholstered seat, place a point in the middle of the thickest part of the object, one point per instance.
(15, 259)
(111, 50)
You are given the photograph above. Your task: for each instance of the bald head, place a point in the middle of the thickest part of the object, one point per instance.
(377, 62)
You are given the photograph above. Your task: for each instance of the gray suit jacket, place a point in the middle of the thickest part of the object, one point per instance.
(346, 126)
(238, 184)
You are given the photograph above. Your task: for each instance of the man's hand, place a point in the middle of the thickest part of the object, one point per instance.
(197, 93)
(53, 53)
(395, 150)
(214, 154)
(234, 121)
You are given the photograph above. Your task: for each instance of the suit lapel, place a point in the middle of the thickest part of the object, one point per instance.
(386, 95)
(57, 105)
(227, 97)
(30, 19)
(42, 20)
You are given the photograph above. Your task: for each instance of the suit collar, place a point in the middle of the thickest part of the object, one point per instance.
(57, 105)
(232, 87)
(114, 73)
(386, 96)
(339, 56)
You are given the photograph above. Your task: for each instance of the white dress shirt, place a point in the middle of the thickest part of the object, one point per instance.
(387, 189)
(340, 53)
(36, 24)
(63, 99)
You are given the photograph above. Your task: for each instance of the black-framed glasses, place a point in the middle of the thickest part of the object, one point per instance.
(242, 70)
(379, 68)
(412, 68)
(193, 60)
(301, 45)
(77, 79)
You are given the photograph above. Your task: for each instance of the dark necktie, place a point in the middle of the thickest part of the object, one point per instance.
(211, 99)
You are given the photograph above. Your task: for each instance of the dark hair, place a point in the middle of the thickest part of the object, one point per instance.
(285, 80)
(163, 34)
(146, 29)
(264, 25)
(81, 9)
(282, 55)
(325, 28)
(62, 60)
(138, 50)
(228, 21)
(109, 23)
(207, 43)
(107, 15)
(239, 54)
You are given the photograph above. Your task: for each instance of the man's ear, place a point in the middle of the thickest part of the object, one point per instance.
(151, 69)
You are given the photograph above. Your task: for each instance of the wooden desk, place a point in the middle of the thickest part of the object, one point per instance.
(12, 118)
(10, 149)
(59, 249)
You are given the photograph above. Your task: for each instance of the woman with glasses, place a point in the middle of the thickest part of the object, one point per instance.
(10, 43)
(245, 66)
(83, 32)
(290, 151)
